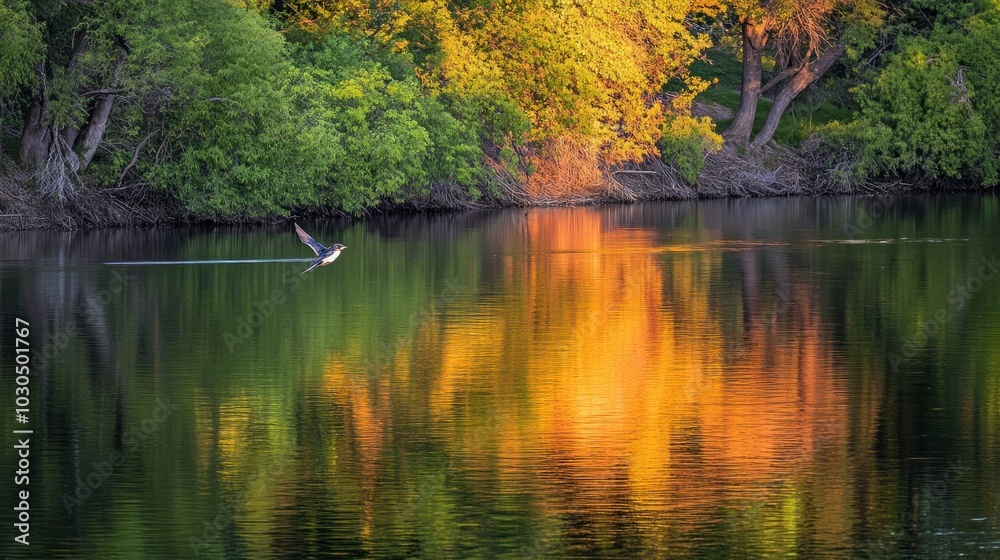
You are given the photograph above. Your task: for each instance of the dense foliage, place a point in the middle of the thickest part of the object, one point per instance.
(214, 105)
(241, 108)
(934, 109)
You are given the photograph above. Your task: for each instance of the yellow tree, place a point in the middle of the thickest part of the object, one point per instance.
(589, 71)
(807, 37)
(399, 24)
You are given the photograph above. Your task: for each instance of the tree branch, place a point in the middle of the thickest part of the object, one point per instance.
(97, 92)
(135, 156)
(782, 76)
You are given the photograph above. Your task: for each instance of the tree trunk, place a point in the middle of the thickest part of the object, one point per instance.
(754, 39)
(802, 79)
(70, 133)
(36, 136)
(77, 145)
(90, 137)
(97, 122)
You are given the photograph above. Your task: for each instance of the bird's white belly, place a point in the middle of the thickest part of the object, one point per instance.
(331, 258)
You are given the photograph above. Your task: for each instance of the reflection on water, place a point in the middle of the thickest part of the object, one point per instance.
(723, 379)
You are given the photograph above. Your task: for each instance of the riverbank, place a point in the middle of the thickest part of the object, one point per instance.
(773, 172)
(22, 207)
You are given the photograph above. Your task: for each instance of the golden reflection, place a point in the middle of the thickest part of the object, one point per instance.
(234, 418)
(369, 426)
(600, 376)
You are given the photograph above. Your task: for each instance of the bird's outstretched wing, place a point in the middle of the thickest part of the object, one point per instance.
(316, 246)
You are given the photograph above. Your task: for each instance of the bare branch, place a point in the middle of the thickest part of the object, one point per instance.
(782, 76)
(97, 92)
(135, 156)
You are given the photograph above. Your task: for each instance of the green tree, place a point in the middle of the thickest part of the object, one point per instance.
(75, 87)
(933, 108)
(376, 136)
(227, 130)
(330, 125)
(97, 55)
(21, 49)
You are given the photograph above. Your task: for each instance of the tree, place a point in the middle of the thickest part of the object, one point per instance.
(94, 53)
(20, 49)
(68, 111)
(586, 74)
(587, 71)
(260, 127)
(933, 109)
(151, 71)
(806, 37)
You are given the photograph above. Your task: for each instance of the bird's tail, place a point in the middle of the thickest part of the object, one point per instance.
(314, 264)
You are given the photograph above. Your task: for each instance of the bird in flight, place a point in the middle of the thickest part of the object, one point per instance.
(324, 255)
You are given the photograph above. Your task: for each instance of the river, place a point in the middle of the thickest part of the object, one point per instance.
(774, 378)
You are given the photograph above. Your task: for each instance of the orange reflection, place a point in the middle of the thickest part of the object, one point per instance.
(601, 376)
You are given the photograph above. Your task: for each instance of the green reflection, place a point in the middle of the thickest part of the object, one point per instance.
(705, 380)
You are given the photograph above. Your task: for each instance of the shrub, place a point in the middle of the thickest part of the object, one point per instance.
(684, 142)
(933, 109)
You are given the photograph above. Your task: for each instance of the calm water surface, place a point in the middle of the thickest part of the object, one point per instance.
(793, 378)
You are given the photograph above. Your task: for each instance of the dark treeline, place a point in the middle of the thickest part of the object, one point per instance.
(240, 109)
